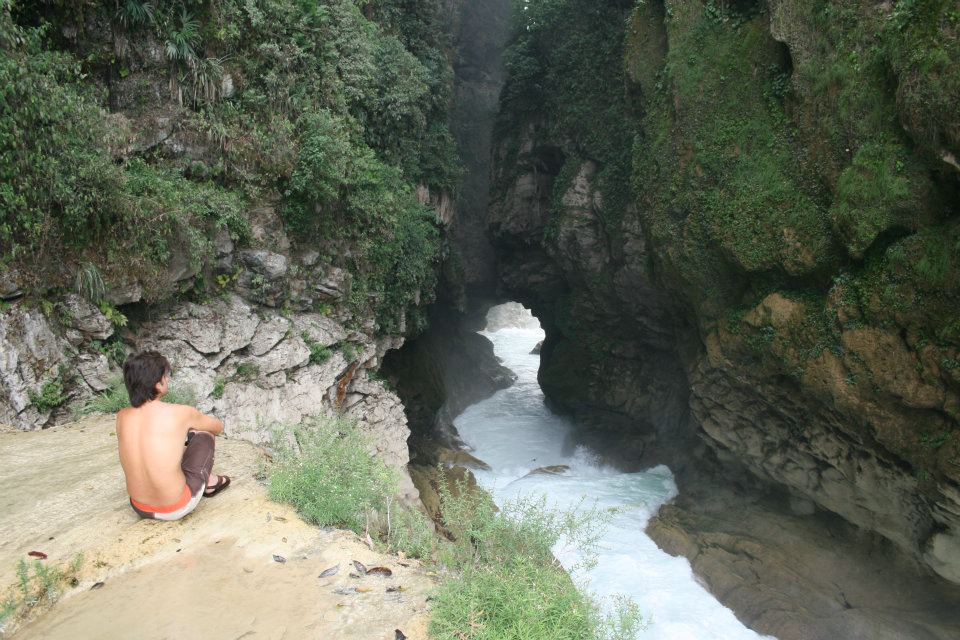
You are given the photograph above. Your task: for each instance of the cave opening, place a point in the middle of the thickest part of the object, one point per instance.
(450, 367)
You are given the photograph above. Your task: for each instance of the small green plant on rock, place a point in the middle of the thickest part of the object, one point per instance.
(88, 283)
(50, 396)
(115, 350)
(318, 353)
(110, 400)
(248, 370)
(219, 386)
(349, 351)
(935, 440)
(113, 314)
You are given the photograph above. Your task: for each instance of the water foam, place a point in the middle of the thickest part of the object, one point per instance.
(515, 434)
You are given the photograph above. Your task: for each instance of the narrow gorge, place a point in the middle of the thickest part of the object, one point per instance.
(737, 223)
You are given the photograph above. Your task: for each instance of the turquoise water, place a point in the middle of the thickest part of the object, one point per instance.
(515, 433)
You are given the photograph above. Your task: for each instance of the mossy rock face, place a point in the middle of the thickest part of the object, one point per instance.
(884, 189)
(794, 186)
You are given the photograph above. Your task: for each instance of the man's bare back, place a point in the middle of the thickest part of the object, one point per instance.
(151, 440)
(167, 472)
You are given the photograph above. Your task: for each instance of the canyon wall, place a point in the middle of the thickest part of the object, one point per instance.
(259, 190)
(738, 224)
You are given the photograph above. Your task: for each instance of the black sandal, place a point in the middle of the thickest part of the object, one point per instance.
(222, 483)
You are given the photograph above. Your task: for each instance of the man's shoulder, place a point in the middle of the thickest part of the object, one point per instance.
(183, 409)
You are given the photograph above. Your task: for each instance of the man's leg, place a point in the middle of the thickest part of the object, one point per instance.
(198, 461)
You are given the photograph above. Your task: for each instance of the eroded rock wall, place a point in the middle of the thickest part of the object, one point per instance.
(780, 280)
(257, 367)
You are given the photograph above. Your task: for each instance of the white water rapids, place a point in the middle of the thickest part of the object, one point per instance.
(515, 433)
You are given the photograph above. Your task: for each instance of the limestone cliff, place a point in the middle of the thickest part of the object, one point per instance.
(257, 189)
(738, 223)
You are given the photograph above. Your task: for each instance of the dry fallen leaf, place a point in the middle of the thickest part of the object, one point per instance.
(332, 571)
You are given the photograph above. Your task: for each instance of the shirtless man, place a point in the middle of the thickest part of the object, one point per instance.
(165, 479)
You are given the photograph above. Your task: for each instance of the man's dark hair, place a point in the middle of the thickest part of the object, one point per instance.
(141, 373)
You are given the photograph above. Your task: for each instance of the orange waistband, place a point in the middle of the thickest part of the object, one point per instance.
(185, 497)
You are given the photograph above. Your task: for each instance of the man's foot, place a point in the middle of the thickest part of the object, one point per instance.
(213, 489)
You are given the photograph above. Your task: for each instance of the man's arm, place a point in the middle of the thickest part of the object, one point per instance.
(201, 422)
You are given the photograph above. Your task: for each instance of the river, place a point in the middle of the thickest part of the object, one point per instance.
(515, 433)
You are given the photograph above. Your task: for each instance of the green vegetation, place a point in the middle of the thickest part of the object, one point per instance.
(112, 314)
(37, 584)
(522, 599)
(318, 353)
(338, 118)
(506, 582)
(720, 173)
(876, 193)
(113, 348)
(219, 386)
(803, 148)
(63, 192)
(88, 283)
(503, 581)
(50, 395)
(324, 470)
(248, 370)
(348, 350)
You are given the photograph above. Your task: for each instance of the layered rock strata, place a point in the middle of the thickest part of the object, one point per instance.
(720, 286)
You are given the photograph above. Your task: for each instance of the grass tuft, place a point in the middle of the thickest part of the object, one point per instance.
(38, 583)
(324, 470)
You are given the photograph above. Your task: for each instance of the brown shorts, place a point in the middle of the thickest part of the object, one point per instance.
(196, 464)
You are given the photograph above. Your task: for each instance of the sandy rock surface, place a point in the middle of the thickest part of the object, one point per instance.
(211, 575)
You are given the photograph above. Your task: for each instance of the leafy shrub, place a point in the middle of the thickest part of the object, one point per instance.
(62, 189)
(411, 532)
(509, 585)
(323, 468)
(522, 599)
(113, 349)
(482, 533)
(50, 396)
(114, 315)
(318, 353)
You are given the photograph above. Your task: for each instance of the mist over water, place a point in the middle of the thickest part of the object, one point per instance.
(515, 433)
